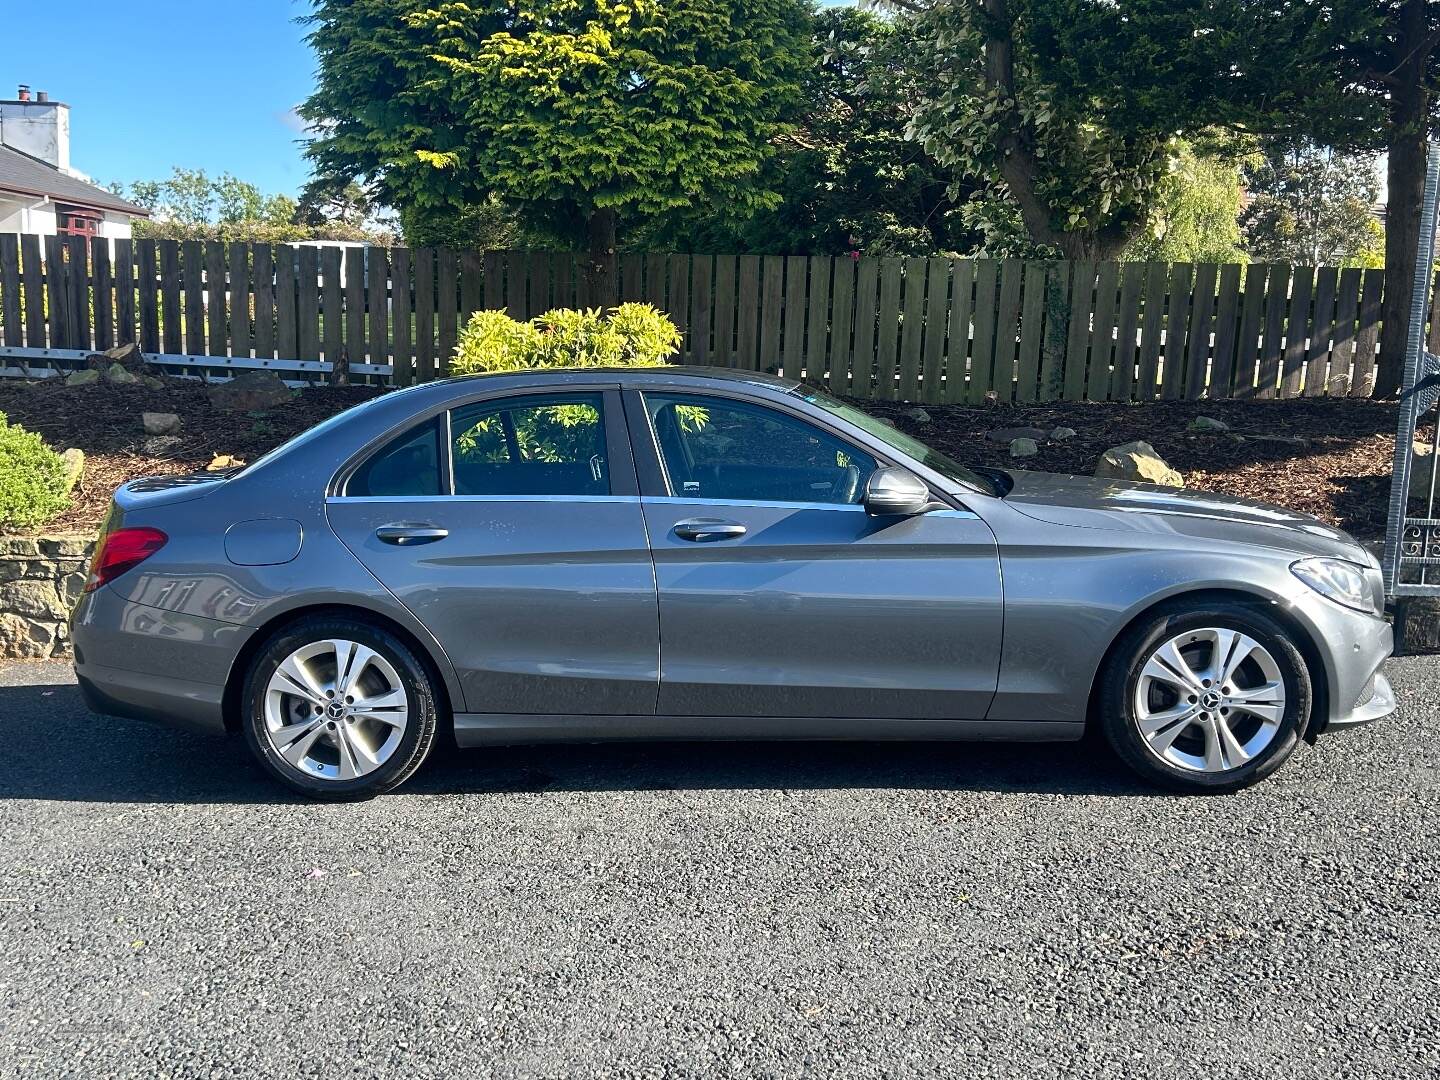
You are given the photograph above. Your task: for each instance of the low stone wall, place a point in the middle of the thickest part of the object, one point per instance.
(40, 580)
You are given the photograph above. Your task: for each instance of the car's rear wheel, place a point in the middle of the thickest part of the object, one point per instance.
(338, 708)
(1206, 699)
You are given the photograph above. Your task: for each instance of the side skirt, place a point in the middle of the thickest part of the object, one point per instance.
(489, 729)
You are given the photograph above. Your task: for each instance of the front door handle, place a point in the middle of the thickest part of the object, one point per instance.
(705, 530)
(403, 534)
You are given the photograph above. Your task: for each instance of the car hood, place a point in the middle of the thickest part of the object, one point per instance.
(1088, 502)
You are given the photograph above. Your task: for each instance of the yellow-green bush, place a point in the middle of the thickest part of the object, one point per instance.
(631, 335)
(32, 479)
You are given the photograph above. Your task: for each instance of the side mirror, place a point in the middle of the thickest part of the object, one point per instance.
(894, 492)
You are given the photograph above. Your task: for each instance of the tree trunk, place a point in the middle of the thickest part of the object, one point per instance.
(1019, 165)
(601, 287)
(1409, 111)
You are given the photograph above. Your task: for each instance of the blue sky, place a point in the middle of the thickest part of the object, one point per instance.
(154, 83)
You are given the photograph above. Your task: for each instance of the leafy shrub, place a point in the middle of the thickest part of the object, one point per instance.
(631, 335)
(32, 479)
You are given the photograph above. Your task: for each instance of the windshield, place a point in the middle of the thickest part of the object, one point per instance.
(928, 456)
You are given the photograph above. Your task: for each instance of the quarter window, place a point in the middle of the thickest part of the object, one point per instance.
(714, 448)
(550, 445)
(409, 465)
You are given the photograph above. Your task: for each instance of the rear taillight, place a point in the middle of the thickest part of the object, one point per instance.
(121, 550)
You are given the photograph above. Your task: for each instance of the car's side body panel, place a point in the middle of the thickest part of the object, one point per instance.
(542, 604)
(824, 611)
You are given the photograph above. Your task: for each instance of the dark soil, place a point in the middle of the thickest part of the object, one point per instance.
(103, 420)
(1329, 458)
(1338, 469)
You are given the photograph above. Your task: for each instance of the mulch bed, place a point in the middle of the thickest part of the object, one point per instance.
(1329, 458)
(1339, 471)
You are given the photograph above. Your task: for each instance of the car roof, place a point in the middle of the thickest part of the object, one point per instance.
(669, 374)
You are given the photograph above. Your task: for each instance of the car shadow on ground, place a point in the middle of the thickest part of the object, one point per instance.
(55, 750)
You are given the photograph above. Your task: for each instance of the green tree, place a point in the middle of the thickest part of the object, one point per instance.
(1310, 205)
(847, 176)
(1195, 215)
(574, 112)
(1358, 75)
(1080, 183)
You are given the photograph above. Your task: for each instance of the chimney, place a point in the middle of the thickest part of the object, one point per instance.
(42, 96)
(37, 126)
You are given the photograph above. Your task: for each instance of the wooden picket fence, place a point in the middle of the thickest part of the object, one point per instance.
(915, 329)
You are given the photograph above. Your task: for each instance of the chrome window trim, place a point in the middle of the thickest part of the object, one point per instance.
(854, 508)
(341, 499)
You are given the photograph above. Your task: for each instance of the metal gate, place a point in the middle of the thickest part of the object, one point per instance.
(1412, 526)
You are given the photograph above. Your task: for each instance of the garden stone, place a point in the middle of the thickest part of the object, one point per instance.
(1137, 461)
(120, 375)
(160, 445)
(127, 354)
(24, 639)
(1010, 434)
(1060, 434)
(250, 392)
(887, 420)
(74, 461)
(154, 382)
(223, 463)
(33, 598)
(1208, 423)
(82, 378)
(1024, 448)
(67, 547)
(920, 416)
(160, 423)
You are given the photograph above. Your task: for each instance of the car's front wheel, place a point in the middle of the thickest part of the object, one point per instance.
(1206, 699)
(337, 708)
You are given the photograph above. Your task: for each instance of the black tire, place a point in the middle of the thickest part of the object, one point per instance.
(415, 743)
(1117, 718)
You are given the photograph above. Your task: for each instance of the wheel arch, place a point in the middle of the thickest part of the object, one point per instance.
(437, 666)
(1300, 633)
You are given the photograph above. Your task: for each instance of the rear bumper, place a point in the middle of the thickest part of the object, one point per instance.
(192, 706)
(143, 662)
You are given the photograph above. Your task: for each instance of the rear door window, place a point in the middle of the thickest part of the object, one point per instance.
(408, 466)
(551, 444)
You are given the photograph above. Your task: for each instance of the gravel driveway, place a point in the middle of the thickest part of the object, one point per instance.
(714, 911)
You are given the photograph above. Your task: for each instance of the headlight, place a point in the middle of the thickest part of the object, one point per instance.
(1337, 580)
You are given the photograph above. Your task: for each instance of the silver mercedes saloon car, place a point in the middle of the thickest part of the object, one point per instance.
(674, 553)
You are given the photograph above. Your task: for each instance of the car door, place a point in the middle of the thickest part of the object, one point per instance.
(780, 596)
(512, 528)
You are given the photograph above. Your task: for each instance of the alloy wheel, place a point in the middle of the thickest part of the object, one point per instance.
(335, 709)
(1209, 700)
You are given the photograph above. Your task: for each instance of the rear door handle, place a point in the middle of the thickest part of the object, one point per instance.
(705, 530)
(403, 534)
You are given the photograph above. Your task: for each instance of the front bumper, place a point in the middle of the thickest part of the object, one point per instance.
(1353, 648)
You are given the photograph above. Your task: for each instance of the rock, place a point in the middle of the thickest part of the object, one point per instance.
(1060, 434)
(74, 460)
(160, 423)
(1024, 448)
(128, 354)
(250, 392)
(154, 382)
(920, 416)
(1137, 461)
(887, 420)
(1208, 423)
(67, 547)
(1010, 434)
(120, 375)
(160, 445)
(82, 378)
(224, 463)
(36, 599)
(25, 639)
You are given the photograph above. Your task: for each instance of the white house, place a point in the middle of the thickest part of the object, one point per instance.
(39, 191)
